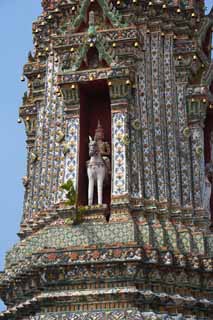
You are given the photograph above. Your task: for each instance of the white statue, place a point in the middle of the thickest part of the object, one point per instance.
(98, 167)
(168, 259)
(207, 190)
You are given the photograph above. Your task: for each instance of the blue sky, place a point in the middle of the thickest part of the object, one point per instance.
(16, 18)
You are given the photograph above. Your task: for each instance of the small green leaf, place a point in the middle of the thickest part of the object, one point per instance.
(71, 193)
(68, 221)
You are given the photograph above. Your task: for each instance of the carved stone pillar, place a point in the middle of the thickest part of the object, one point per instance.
(196, 113)
(71, 142)
(119, 91)
(184, 144)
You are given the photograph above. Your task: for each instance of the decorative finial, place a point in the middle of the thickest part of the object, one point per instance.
(92, 28)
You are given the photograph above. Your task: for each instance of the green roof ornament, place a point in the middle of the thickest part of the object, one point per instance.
(93, 40)
(109, 11)
(104, 52)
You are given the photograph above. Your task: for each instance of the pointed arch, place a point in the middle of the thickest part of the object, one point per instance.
(109, 11)
(103, 54)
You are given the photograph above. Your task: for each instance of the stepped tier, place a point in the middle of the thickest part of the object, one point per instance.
(134, 262)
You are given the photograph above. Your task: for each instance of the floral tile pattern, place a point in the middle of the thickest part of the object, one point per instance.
(119, 154)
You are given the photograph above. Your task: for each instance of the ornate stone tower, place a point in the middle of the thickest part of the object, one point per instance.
(137, 77)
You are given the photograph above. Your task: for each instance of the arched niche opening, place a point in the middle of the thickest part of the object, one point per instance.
(92, 60)
(100, 19)
(208, 153)
(211, 85)
(95, 106)
(208, 43)
(208, 132)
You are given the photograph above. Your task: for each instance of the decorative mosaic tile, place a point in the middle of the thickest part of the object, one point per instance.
(109, 315)
(119, 154)
(160, 164)
(135, 167)
(146, 119)
(171, 120)
(171, 236)
(197, 138)
(144, 233)
(157, 234)
(185, 241)
(209, 244)
(136, 143)
(64, 236)
(198, 242)
(71, 162)
(44, 173)
(184, 147)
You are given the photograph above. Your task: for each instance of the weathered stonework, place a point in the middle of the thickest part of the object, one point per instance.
(146, 253)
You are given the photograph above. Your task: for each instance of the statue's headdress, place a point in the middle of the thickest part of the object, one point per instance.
(99, 132)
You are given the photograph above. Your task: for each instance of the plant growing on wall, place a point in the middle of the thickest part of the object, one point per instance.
(71, 197)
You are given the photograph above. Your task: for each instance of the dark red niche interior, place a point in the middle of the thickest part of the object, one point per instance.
(207, 146)
(207, 135)
(94, 105)
(211, 87)
(207, 42)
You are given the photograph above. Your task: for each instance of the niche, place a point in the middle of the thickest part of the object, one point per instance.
(94, 106)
